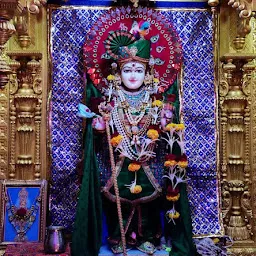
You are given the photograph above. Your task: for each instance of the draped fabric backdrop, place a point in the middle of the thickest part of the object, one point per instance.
(195, 28)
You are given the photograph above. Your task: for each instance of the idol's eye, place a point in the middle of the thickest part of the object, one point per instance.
(127, 70)
(140, 71)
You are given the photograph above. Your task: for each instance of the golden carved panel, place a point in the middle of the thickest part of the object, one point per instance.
(3, 132)
(238, 121)
(28, 54)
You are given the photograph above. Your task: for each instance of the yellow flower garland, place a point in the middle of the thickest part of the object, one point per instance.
(170, 126)
(180, 127)
(173, 198)
(116, 140)
(170, 163)
(153, 134)
(183, 164)
(136, 190)
(177, 127)
(174, 215)
(157, 103)
(110, 77)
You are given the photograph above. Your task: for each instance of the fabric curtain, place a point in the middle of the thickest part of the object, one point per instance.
(87, 234)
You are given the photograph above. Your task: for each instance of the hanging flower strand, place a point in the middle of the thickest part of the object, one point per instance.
(134, 188)
(175, 167)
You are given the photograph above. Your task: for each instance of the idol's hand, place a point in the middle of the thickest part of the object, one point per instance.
(99, 124)
(166, 115)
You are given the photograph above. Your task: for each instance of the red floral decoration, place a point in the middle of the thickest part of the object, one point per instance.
(170, 157)
(115, 134)
(172, 194)
(182, 158)
(157, 96)
(170, 98)
(21, 212)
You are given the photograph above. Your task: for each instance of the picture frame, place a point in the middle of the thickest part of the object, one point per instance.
(23, 211)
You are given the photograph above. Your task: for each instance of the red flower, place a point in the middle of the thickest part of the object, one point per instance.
(170, 98)
(21, 212)
(115, 134)
(182, 158)
(157, 96)
(172, 192)
(170, 157)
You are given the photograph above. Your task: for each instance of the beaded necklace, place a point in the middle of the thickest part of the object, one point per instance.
(135, 100)
(132, 137)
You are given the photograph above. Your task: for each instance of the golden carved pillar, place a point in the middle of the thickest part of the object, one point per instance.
(235, 120)
(8, 8)
(27, 93)
(235, 87)
(25, 115)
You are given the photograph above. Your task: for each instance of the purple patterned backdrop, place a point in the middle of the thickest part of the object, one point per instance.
(195, 27)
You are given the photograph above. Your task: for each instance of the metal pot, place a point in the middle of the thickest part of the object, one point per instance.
(54, 241)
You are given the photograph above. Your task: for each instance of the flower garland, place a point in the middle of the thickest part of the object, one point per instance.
(175, 167)
(138, 143)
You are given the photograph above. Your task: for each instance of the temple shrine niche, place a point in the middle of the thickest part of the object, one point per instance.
(130, 121)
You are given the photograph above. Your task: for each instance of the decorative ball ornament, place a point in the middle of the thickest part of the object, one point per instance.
(213, 3)
(135, 3)
(142, 23)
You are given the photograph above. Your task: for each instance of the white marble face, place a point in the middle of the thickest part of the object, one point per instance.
(132, 75)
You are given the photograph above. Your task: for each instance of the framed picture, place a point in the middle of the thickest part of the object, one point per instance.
(23, 211)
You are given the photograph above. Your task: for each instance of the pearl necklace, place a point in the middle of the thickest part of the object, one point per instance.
(129, 138)
(126, 143)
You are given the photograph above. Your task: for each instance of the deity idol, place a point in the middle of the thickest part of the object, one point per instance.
(140, 123)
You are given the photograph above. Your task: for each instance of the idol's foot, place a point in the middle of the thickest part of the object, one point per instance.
(119, 248)
(147, 247)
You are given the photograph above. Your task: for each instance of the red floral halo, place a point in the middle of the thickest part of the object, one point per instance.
(165, 43)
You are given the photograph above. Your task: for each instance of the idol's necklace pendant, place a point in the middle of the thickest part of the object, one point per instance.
(135, 140)
(135, 129)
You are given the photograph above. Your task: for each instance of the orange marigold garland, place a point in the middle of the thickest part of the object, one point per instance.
(170, 126)
(116, 139)
(172, 214)
(183, 161)
(134, 166)
(170, 160)
(136, 189)
(175, 167)
(172, 194)
(153, 132)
